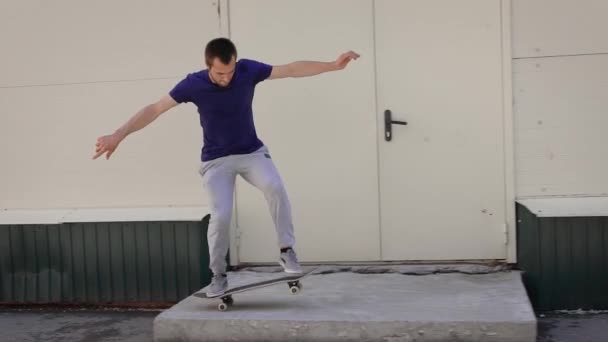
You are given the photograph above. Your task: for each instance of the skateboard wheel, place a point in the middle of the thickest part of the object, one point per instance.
(222, 306)
(294, 289)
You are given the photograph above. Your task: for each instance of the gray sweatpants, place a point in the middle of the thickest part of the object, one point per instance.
(219, 176)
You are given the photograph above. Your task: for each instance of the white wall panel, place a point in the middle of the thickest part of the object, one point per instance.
(68, 41)
(561, 120)
(559, 27)
(48, 137)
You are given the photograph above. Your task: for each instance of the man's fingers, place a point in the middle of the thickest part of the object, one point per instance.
(98, 154)
(101, 150)
(354, 54)
(346, 57)
(103, 145)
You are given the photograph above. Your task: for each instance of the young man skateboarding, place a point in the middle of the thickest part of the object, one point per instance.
(223, 94)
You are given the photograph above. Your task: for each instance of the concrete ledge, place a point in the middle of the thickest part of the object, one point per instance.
(361, 307)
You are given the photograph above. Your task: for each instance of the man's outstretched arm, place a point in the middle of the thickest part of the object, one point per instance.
(311, 68)
(108, 143)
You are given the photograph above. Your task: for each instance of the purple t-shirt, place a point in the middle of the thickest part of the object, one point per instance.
(225, 112)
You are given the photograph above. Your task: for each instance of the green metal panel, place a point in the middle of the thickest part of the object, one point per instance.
(103, 263)
(565, 260)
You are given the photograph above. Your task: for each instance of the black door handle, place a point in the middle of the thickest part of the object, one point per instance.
(388, 125)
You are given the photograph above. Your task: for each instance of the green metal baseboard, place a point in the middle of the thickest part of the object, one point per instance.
(103, 263)
(564, 259)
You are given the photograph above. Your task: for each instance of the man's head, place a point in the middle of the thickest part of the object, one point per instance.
(220, 57)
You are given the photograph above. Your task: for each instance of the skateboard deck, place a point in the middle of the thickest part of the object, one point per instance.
(292, 280)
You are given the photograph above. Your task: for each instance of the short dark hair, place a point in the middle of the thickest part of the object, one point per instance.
(221, 48)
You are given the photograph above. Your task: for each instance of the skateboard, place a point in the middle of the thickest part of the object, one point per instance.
(292, 280)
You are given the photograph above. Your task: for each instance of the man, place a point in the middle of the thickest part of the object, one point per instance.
(223, 94)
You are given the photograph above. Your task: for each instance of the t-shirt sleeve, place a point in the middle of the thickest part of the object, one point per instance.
(182, 90)
(260, 71)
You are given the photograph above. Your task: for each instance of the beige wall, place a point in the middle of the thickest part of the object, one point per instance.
(560, 73)
(73, 70)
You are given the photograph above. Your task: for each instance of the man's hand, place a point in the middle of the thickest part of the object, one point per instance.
(345, 58)
(106, 144)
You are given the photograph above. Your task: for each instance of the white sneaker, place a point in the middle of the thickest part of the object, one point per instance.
(289, 261)
(219, 284)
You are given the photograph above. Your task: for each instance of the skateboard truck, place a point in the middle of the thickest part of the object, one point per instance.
(294, 287)
(226, 301)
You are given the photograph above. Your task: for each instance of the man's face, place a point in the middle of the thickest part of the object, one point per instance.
(221, 73)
